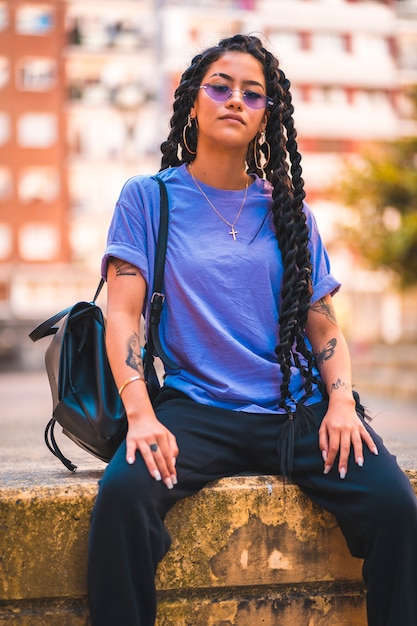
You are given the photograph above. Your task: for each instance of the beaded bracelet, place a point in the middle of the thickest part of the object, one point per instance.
(127, 382)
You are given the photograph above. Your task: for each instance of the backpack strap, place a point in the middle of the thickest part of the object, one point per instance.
(158, 297)
(48, 327)
(53, 446)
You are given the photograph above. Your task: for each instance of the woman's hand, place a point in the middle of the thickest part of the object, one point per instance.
(341, 427)
(340, 430)
(157, 446)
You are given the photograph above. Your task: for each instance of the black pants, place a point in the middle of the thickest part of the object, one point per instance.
(375, 506)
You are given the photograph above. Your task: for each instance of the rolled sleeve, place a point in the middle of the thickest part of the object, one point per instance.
(323, 281)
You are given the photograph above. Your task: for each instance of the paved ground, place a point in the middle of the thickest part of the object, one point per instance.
(25, 403)
(25, 408)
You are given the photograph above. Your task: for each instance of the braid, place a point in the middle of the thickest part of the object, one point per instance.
(293, 237)
(303, 287)
(287, 193)
(184, 97)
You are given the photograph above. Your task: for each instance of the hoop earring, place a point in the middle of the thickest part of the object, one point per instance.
(184, 137)
(261, 141)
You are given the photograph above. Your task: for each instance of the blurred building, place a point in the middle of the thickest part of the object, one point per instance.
(85, 93)
(34, 205)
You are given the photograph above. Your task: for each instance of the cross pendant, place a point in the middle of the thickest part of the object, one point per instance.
(233, 232)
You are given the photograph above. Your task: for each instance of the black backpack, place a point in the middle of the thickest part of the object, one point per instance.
(85, 400)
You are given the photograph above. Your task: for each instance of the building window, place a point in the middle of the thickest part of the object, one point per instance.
(36, 74)
(4, 71)
(38, 184)
(329, 43)
(373, 100)
(37, 130)
(329, 95)
(124, 29)
(372, 46)
(4, 16)
(5, 128)
(285, 42)
(6, 241)
(39, 242)
(35, 19)
(408, 50)
(5, 183)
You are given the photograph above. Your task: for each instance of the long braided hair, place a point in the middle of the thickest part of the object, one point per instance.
(285, 175)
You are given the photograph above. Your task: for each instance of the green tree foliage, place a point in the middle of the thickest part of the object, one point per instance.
(380, 190)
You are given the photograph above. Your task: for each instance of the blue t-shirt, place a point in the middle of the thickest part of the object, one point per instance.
(220, 319)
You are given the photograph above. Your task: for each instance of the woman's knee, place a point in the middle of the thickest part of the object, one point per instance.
(394, 502)
(402, 505)
(124, 485)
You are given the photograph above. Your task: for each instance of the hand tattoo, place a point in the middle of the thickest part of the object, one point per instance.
(123, 268)
(327, 352)
(325, 308)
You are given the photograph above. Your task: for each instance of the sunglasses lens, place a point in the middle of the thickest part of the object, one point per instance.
(221, 93)
(254, 100)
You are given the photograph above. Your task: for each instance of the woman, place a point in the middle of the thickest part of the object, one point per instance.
(260, 358)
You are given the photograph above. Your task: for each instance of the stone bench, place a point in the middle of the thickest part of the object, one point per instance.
(246, 550)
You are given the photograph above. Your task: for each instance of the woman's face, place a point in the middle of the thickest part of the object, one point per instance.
(230, 124)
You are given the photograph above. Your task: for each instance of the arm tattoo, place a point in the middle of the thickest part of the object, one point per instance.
(325, 308)
(339, 383)
(134, 356)
(327, 352)
(123, 268)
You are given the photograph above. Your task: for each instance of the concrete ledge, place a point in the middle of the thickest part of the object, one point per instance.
(246, 550)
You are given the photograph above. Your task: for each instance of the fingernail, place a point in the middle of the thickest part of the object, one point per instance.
(375, 451)
(130, 460)
(326, 470)
(342, 473)
(156, 475)
(174, 480)
(168, 483)
(324, 455)
(360, 461)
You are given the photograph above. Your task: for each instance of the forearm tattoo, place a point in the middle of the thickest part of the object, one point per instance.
(123, 268)
(340, 384)
(327, 352)
(325, 308)
(134, 356)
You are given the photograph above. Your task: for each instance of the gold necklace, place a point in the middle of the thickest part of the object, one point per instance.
(232, 232)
